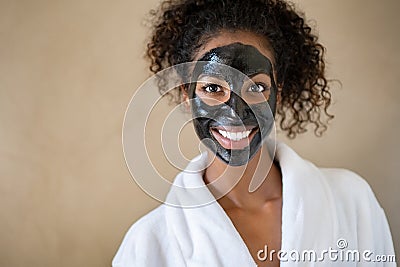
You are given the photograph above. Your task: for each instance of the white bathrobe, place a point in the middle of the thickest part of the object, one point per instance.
(324, 210)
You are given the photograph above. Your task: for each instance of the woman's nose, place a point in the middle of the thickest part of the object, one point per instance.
(238, 107)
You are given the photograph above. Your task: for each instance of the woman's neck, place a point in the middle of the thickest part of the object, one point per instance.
(250, 186)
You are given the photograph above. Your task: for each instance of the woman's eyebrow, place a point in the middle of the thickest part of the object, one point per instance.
(259, 75)
(216, 76)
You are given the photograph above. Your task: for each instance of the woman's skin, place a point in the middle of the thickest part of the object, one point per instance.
(256, 215)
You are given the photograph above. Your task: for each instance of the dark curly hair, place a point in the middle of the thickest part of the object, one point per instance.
(181, 27)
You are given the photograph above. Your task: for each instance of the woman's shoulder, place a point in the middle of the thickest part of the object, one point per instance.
(349, 187)
(143, 239)
(356, 204)
(149, 226)
(344, 178)
(345, 186)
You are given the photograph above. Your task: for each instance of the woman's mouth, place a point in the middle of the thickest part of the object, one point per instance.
(232, 137)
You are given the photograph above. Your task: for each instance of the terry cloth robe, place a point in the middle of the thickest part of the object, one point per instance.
(323, 210)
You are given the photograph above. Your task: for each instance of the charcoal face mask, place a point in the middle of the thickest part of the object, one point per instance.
(234, 64)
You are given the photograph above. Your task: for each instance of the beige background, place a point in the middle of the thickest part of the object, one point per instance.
(67, 72)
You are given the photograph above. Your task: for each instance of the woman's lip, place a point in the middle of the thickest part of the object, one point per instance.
(233, 137)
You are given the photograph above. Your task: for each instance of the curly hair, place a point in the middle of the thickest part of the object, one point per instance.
(181, 27)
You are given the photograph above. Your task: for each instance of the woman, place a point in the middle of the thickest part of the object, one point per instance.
(253, 62)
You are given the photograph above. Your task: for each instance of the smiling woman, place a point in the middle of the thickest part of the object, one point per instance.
(254, 62)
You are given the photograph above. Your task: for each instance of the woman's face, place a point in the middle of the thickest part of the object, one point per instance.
(233, 95)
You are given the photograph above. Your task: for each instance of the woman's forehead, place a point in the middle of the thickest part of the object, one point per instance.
(246, 38)
(245, 58)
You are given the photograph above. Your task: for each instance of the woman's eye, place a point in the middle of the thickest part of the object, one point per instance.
(257, 88)
(212, 88)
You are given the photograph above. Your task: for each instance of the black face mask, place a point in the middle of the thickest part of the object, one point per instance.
(233, 63)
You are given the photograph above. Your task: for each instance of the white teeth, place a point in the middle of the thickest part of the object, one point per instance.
(223, 133)
(235, 136)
